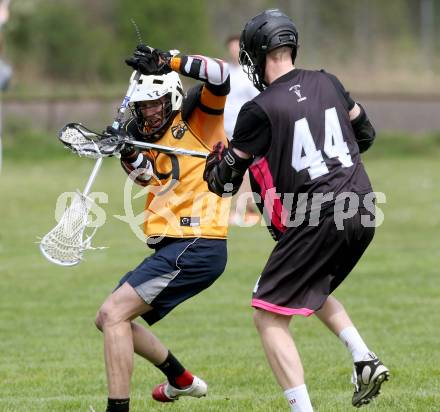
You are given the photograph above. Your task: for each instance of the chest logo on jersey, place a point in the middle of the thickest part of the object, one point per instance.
(296, 88)
(179, 130)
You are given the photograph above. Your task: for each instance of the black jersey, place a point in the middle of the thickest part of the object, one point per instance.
(307, 155)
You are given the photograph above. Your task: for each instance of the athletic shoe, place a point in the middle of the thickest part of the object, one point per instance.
(368, 376)
(165, 392)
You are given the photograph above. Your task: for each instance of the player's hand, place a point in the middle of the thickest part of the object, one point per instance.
(213, 159)
(225, 176)
(116, 137)
(212, 174)
(128, 151)
(149, 61)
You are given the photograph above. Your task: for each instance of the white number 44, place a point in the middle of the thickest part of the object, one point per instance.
(305, 155)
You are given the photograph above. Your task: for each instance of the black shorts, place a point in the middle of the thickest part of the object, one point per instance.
(308, 264)
(176, 272)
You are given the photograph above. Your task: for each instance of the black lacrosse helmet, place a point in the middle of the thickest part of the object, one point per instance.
(263, 33)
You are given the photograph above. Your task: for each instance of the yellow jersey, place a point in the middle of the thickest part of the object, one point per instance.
(179, 203)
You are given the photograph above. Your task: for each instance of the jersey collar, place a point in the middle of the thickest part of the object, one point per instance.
(286, 77)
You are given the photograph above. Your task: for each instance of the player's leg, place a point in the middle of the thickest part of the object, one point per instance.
(118, 357)
(114, 320)
(176, 272)
(335, 317)
(148, 346)
(291, 284)
(198, 265)
(368, 372)
(283, 357)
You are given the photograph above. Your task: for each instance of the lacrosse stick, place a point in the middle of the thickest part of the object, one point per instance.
(85, 142)
(66, 242)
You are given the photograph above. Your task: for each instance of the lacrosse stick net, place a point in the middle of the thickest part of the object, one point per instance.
(66, 242)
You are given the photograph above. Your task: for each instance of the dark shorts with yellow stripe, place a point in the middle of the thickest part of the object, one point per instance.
(176, 272)
(309, 263)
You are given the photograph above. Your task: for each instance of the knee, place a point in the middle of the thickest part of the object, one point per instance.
(98, 321)
(107, 316)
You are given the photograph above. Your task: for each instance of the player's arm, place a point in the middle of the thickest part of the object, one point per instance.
(213, 72)
(225, 167)
(205, 116)
(134, 160)
(204, 105)
(363, 129)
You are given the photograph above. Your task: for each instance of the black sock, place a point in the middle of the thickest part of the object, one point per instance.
(118, 405)
(172, 368)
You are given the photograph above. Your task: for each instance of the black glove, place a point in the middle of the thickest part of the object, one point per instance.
(224, 170)
(216, 183)
(115, 137)
(213, 159)
(149, 61)
(128, 151)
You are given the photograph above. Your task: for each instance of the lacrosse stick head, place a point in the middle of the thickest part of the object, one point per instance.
(84, 142)
(66, 242)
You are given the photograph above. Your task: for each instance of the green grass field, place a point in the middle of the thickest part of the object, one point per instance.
(51, 354)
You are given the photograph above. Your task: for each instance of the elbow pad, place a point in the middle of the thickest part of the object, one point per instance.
(203, 68)
(363, 130)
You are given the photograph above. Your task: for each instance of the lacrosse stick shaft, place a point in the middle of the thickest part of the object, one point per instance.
(117, 122)
(92, 177)
(116, 125)
(167, 149)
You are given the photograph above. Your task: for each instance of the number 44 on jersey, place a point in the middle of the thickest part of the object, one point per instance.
(305, 155)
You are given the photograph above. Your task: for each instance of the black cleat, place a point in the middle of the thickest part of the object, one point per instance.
(368, 376)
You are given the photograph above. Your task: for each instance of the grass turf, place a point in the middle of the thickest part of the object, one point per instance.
(51, 354)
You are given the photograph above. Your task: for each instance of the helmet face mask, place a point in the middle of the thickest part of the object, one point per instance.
(250, 67)
(262, 34)
(155, 102)
(152, 115)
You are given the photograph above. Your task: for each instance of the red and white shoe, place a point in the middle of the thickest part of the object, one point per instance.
(165, 392)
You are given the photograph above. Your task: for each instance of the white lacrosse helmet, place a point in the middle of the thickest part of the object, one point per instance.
(154, 87)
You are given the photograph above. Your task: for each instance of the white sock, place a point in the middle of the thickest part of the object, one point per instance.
(298, 399)
(355, 344)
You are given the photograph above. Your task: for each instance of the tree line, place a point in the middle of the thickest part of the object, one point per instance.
(86, 41)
